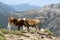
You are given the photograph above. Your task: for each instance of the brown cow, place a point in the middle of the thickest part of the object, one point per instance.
(26, 22)
(15, 21)
(32, 23)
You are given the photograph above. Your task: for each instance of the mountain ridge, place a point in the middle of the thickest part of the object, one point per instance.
(24, 7)
(4, 8)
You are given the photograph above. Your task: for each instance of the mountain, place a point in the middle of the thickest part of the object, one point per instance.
(24, 7)
(4, 8)
(49, 14)
(56, 6)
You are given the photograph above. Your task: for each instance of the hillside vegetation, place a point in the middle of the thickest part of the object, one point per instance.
(24, 35)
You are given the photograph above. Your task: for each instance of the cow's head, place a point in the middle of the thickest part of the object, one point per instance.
(11, 18)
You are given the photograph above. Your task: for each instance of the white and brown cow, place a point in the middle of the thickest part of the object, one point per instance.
(15, 22)
(32, 23)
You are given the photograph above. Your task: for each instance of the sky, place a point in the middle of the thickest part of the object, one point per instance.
(31, 2)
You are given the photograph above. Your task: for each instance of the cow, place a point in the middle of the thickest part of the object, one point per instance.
(20, 22)
(15, 21)
(32, 23)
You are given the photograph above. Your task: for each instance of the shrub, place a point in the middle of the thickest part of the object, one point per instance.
(49, 32)
(4, 31)
(2, 37)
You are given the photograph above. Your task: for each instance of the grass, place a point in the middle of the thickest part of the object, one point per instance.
(2, 37)
(24, 31)
(16, 32)
(13, 32)
(4, 31)
(49, 32)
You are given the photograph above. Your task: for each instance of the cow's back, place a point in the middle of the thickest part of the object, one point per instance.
(31, 22)
(20, 22)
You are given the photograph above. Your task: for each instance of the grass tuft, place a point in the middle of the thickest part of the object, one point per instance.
(49, 32)
(2, 37)
(4, 31)
(16, 32)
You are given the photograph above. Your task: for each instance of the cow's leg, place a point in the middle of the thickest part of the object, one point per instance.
(28, 29)
(18, 28)
(9, 27)
(36, 27)
(21, 28)
(35, 30)
(24, 28)
(39, 26)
